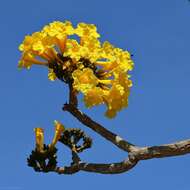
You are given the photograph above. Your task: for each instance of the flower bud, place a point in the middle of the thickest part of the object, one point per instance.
(39, 132)
(59, 128)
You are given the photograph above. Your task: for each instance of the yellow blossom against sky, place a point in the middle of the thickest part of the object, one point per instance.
(98, 70)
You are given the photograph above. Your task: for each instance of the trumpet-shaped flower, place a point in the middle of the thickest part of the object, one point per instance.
(58, 32)
(87, 30)
(94, 96)
(84, 80)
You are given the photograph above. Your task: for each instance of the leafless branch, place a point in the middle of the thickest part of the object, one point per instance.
(167, 150)
(113, 168)
(135, 153)
(144, 153)
(86, 120)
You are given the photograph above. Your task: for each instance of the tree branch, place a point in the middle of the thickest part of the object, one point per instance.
(174, 149)
(112, 168)
(72, 96)
(86, 120)
(135, 154)
(144, 153)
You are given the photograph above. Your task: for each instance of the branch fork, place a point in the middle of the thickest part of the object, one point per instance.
(135, 153)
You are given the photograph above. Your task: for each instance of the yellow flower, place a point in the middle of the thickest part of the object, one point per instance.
(51, 75)
(86, 30)
(28, 59)
(93, 49)
(37, 43)
(89, 49)
(35, 48)
(117, 98)
(94, 96)
(59, 29)
(84, 80)
(116, 58)
(59, 128)
(39, 132)
(58, 32)
(107, 51)
(114, 100)
(74, 50)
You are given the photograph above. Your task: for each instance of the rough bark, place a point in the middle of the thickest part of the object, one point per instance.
(167, 150)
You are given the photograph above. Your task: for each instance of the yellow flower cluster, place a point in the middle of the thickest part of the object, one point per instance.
(100, 70)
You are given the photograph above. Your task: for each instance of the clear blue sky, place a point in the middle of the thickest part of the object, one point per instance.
(157, 32)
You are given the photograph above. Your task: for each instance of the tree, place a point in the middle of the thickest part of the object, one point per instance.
(100, 72)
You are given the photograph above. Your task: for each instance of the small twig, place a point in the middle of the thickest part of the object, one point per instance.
(75, 158)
